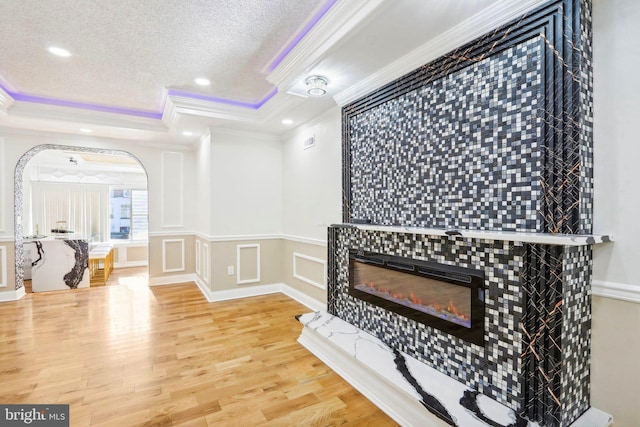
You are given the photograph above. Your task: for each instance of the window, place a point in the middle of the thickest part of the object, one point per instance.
(129, 214)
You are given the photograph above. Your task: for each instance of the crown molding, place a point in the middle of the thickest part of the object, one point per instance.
(342, 18)
(500, 13)
(61, 138)
(204, 108)
(282, 101)
(169, 113)
(80, 116)
(5, 102)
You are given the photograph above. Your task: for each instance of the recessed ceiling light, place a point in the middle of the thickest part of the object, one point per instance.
(202, 81)
(58, 51)
(287, 122)
(187, 133)
(85, 130)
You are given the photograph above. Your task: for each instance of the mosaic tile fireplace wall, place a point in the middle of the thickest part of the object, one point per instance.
(496, 135)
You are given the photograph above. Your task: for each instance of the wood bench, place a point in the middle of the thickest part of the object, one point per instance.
(100, 264)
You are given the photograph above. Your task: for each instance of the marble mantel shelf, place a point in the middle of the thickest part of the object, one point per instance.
(509, 236)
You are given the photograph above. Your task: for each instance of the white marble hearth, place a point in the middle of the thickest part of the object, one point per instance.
(400, 385)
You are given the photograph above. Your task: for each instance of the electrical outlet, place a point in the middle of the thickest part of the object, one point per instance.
(230, 270)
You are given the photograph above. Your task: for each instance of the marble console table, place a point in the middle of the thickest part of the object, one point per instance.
(404, 387)
(59, 263)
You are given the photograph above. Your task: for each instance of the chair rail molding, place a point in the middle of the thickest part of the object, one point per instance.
(620, 291)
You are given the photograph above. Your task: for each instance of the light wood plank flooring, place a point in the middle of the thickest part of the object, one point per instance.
(130, 355)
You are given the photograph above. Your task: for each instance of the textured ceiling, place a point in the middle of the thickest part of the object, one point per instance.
(135, 56)
(125, 53)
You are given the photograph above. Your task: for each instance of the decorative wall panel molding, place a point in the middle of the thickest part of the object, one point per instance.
(172, 189)
(173, 255)
(253, 263)
(495, 135)
(198, 246)
(301, 258)
(206, 269)
(3, 266)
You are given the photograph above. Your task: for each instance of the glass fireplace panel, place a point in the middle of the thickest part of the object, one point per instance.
(434, 297)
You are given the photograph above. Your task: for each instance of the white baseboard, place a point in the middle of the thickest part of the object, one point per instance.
(241, 292)
(303, 298)
(130, 264)
(12, 295)
(245, 292)
(171, 280)
(203, 288)
(621, 291)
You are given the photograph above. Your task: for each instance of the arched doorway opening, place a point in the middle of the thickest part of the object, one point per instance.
(72, 154)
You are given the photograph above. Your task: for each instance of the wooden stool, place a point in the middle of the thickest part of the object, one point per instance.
(100, 264)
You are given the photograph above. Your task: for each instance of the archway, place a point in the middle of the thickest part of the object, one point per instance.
(19, 195)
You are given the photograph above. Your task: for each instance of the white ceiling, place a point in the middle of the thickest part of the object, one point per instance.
(145, 54)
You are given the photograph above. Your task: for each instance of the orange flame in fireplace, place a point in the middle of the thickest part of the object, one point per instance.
(450, 308)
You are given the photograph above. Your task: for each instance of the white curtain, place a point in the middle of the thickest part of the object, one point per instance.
(84, 207)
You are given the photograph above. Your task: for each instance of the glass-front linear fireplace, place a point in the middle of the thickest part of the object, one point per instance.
(446, 297)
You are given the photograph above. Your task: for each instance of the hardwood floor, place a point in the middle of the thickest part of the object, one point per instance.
(132, 355)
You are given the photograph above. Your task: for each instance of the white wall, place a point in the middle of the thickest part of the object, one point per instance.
(203, 185)
(246, 184)
(615, 347)
(312, 178)
(616, 45)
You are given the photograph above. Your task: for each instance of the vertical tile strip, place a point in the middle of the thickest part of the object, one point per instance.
(542, 333)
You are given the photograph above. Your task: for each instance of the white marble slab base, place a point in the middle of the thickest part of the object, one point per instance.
(376, 371)
(53, 262)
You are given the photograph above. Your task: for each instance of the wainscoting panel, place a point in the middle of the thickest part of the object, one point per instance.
(248, 263)
(131, 255)
(310, 270)
(206, 269)
(172, 189)
(198, 246)
(3, 266)
(173, 257)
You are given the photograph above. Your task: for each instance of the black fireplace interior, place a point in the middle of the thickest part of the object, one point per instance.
(446, 297)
